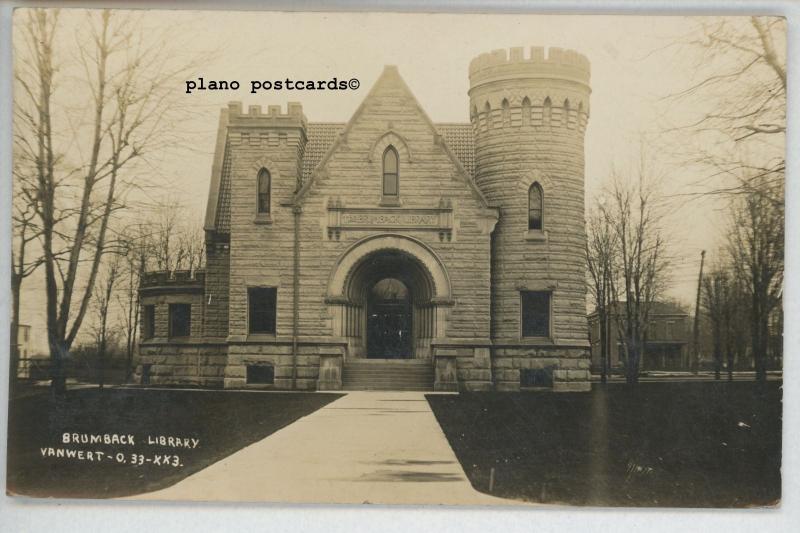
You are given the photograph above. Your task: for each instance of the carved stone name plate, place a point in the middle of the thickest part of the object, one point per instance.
(417, 220)
(438, 219)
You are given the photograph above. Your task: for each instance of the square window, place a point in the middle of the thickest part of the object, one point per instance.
(262, 303)
(148, 321)
(180, 320)
(261, 374)
(535, 313)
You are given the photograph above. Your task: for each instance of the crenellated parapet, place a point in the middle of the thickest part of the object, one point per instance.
(546, 89)
(273, 128)
(555, 63)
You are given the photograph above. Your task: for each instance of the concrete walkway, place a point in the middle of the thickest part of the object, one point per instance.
(366, 447)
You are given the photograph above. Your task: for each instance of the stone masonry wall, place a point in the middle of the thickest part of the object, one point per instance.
(261, 251)
(427, 176)
(529, 116)
(217, 287)
(200, 363)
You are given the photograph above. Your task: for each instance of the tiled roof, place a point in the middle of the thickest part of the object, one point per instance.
(461, 141)
(321, 136)
(223, 221)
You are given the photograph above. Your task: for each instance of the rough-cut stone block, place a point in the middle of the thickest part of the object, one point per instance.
(572, 386)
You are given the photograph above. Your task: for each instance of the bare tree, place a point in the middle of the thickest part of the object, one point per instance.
(175, 244)
(136, 245)
(740, 86)
(193, 242)
(738, 143)
(25, 233)
(756, 246)
(633, 216)
(104, 292)
(82, 161)
(716, 301)
(601, 260)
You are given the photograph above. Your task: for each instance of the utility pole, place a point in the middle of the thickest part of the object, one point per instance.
(696, 340)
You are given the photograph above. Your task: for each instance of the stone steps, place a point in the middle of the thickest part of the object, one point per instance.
(388, 374)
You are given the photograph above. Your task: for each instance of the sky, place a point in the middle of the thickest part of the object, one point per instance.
(632, 69)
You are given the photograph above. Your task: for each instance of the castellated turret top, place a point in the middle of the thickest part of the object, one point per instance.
(555, 63)
(274, 117)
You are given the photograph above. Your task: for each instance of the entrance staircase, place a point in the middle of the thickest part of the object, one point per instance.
(388, 374)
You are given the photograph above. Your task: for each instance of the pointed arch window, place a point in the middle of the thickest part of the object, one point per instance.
(547, 111)
(391, 184)
(535, 207)
(526, 112)
(264, 185)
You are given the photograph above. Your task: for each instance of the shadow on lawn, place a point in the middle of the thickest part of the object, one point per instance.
(659, 444)
(222, 421)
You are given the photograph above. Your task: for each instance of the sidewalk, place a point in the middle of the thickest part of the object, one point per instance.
(366, 447)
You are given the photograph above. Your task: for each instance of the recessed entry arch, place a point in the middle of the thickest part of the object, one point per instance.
(388, 294)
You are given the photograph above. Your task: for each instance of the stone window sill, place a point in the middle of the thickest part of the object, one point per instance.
(390, 201)
(180, 340)
(544, 340)
(260, 337)
(263, 218)
(536, 235)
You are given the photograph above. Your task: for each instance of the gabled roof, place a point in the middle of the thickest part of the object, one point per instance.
(457, 141)
(390, 74)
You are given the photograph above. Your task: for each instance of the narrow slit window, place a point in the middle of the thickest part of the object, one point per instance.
(547, 111)
(535, 207)
(264, 184)
(148, 322)
(390, 172)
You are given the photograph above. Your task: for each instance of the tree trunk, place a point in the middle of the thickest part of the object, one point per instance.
(101, 360)
(717, 339)
(603, 346)
(13, 373)
(729, 354)
(58, 353)
(761, 364)
(634, 356)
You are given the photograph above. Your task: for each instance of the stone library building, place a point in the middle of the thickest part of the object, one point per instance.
(389, 251)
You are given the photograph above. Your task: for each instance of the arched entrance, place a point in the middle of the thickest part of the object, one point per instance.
(387, 295)
(389, 320)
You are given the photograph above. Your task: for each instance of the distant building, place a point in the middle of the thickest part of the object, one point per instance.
(24, 340)
(666, 346)
(26, 351)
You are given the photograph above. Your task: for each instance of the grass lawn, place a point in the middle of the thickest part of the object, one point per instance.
(222, 422)
(690, 444)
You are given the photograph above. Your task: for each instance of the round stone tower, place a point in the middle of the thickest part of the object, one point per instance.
(529, 115)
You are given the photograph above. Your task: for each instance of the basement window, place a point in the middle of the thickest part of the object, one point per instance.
(536, 377)
(260, 374)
